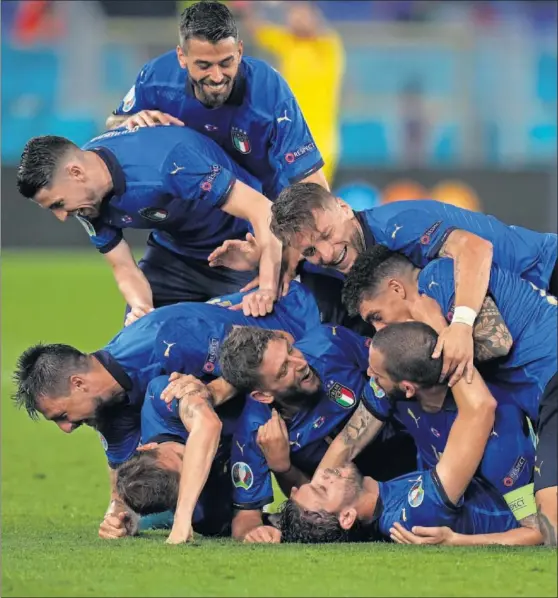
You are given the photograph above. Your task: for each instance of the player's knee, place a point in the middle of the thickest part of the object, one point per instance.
(547, 512)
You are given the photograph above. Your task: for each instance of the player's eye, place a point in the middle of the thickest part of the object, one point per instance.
(56, 205)
(226, 63)
(326, 235)
(309, 252)
(375, 317)
(290, 349)
(204, 65)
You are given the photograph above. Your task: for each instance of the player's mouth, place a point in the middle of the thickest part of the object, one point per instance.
(307, 375)
(217, 88)
(340, 258)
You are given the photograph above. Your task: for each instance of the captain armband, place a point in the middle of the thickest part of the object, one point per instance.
(522, 501)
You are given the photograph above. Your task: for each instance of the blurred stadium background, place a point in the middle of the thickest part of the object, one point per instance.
(455, 100)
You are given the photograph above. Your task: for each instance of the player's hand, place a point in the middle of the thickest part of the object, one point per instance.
(456, 345)
(136, 312)
(422, 535)
(258, 303)
(151, 118)
(291, 259)
(242, 256)
(264, 534)
(182, 386)
(273, 439)
(119, 525)
(181, 535)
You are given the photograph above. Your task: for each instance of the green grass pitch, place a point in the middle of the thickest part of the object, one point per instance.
(54, 492)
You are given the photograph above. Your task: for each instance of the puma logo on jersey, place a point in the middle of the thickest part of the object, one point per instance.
(397, 228)
(295, 442)
(433, 283)
(415, 418)
(167, 350)
(538, 468)
(177, 168)
(240, 447)
(404, 514)
(284, 118)
(437, 454)
(494, 433)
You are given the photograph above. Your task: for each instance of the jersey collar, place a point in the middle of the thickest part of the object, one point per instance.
(114, 369)
(238, 91)
(116, 172)
(369, 239)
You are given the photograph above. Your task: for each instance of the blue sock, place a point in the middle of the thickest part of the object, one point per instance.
(157, 521)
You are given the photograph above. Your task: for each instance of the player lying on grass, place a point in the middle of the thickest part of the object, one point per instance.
(404, 384)
(106, 388)
(172, 180)
(327, 232)
(313, 386)
(518, 324)
(340, 505)
(149, 482)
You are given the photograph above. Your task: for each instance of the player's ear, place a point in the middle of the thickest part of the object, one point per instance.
(75, 171)
(286, 335)
(240, 49)
(262, 397)
(78, 382)
(294, 490)
(345, 207)
(395, 286)
(347, 518)
(181, 57)
(409, 389)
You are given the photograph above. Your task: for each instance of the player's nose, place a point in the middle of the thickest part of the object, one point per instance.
(67, 427)
(325, 251)
(62, 215)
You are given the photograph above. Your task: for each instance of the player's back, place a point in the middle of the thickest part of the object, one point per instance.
(526, 252)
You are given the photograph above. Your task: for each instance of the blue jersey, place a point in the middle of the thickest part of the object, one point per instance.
(260, 125)
(340, 358)
(509, 456)
(185, 338)
(531, 317)
(161, 423)
(169, 179)
(418, 229)
(419, 498)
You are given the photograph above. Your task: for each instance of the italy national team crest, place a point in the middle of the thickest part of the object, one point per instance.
(342, 395)
(242, 475)
(416, 494)
(240, 140)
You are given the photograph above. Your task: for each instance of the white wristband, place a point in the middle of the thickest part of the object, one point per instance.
(464, 315)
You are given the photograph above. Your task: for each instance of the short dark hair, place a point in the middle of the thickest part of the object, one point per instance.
(407, 349)
(291, 212)
(39, 161)
(210, 21)
(368, 272)
(145, 486)
(45, 370)
(242, 354)
(314, 527)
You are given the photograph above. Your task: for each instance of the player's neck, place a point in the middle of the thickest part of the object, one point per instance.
(104, 383)
(368, 499)
(432, 399)
(100, 173)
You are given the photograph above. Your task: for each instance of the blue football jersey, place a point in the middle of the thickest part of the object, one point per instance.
(185, 338)
(531, 317)
(169, 179)
(161, 423)
(260, 125)
(418, 229)
(419, 498)
(509, 456)
(339, 357)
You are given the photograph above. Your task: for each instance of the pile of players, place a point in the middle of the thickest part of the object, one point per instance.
(395, 369)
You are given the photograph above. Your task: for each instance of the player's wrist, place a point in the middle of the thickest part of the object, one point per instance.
(283, 468)
(464, 315)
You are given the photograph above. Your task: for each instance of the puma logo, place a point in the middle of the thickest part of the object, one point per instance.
(241, 447)
(404, 515)
(538, 468)
(397, 228)
(415, 418)
(176, 168)
(433, 283)
(494, 433)
(284, 118)
(295, 442)
(167, 350)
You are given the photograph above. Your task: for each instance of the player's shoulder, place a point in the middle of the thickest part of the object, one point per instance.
(254, 415)
(164, 69)
(262, 76)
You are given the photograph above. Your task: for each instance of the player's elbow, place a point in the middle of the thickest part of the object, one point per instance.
(478, 247)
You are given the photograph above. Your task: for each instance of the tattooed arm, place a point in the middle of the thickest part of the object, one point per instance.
(204, 427)
(490, 333)
(359, 431)
(547, 528)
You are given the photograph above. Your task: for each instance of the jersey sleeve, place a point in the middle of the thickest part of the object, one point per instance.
(139, 97)
(250, 474)
(418, 233)
(103, 236)
(121, 435)
(190, 346)
(428, 504)
(292, 151)
(192, 176)
(437, 282)
(375, 401)
(159, 419)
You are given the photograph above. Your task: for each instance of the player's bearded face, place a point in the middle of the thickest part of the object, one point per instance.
(212, 68)
(336, 240)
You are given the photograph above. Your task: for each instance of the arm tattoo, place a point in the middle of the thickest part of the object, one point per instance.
(491, 335)
(548, 532)
(187, 410)
(356, 427)
(530, 521)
